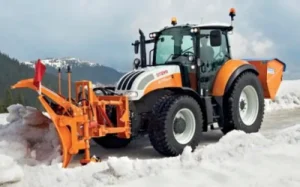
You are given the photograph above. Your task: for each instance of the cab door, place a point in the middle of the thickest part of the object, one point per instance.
(213, 54)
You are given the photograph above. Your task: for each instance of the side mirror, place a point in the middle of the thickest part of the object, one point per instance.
(136, 46)
(215, 38)
(136, 63)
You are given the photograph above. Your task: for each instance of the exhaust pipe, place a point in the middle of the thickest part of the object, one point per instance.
(143, 49)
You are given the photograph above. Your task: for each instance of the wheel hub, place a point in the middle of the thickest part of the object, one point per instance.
(243, 104)
(179, 125)
(248, 105)
(184, 126)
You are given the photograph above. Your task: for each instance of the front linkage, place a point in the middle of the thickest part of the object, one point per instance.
(81, 119)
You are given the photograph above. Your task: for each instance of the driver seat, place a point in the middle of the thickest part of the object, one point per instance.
(207, 54)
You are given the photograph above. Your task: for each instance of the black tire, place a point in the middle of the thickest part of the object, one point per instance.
(112, 141)
(233, 118)
(161, 129)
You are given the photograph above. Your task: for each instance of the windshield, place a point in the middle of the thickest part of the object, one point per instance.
(172, 43)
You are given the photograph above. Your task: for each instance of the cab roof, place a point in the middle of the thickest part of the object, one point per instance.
(204, 25)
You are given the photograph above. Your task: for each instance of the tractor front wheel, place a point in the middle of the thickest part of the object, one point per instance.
(177, 123)
(245, 105)
(111, 141)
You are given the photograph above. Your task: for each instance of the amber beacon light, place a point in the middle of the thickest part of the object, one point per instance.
(174, 21)
(232, 13)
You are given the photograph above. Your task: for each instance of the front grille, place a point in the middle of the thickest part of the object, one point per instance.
(127, 82)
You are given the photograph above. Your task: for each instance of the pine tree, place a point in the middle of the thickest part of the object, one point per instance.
(11, 72)
(8, 98)
(2, 107)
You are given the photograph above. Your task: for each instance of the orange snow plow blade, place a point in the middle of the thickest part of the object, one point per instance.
(80, 119)
(63, 133)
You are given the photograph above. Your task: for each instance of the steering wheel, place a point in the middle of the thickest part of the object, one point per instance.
(188, 52)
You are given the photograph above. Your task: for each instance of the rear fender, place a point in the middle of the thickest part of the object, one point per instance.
(269, 72)
(223, 76)
(238, 72)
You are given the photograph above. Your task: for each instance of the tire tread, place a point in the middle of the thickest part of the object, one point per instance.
(231, 121)
(158, 134)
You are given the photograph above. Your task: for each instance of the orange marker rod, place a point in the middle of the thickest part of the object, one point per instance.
(59, 81)
(69, 81)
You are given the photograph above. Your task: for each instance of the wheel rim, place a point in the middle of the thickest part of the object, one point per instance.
(184, 135)
(248, 105)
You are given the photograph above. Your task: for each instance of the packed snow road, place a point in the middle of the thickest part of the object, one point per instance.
(280, 119)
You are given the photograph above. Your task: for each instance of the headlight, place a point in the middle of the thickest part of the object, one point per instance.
(194, 30)
(131, 94)
(136, 63)
(152, 35)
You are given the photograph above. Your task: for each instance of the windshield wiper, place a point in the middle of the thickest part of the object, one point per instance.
(178, 54)
(168, 58)
(186, 50)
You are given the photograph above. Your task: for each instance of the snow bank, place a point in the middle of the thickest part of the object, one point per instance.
(26, 139)
(288, 96)
(10, 171)
(29, 137)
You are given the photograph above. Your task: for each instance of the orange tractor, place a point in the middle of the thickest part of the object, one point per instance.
(190, 85)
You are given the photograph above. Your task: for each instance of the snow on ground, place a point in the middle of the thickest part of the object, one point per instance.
(29, 156)
(21, 142)
(288, 96)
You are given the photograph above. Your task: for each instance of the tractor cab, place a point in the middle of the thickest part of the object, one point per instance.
(199, 50)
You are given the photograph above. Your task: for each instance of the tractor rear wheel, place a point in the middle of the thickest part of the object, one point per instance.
(245, 105)
(177, 123)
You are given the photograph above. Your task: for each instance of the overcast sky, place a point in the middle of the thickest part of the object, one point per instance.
(103, 30)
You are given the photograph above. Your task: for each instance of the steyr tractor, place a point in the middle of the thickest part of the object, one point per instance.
(190, 85)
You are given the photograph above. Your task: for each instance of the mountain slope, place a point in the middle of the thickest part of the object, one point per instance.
(81, 70)
(11, 72)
